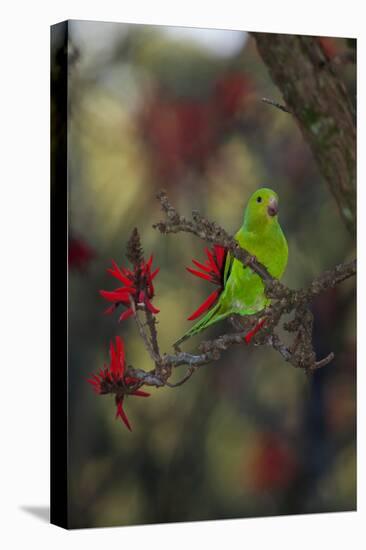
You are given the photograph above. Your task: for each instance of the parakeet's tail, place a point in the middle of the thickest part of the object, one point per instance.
(212, 317)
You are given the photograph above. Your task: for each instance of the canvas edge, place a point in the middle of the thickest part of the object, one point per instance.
(59, 275)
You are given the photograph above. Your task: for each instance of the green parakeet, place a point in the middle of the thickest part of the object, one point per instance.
(243, 290)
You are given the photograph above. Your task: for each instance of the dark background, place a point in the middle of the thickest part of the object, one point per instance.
(249, 435)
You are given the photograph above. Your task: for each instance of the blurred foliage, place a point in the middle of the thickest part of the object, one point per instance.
(248, 435)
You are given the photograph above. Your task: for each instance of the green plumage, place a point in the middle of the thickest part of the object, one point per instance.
(261, 235)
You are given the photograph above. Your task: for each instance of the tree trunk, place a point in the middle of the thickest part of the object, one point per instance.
(318, 99)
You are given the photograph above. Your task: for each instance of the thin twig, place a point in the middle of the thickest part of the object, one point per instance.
(148, 344)
(151, 322)
(323, 362)
(276, 104)
(182, 380)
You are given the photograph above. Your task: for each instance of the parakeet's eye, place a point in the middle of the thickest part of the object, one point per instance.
(259, 199)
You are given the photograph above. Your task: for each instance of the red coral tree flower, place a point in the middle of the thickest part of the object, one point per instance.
(113, 379)
(213, 271)
(248, 337)
(80, 254)
(329, 46)
(137, 283)
(273, 465)
(231, 94)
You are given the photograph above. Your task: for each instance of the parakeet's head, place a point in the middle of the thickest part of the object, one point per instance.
(262, 208)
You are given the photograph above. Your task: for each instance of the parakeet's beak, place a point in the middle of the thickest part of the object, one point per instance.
(272, 207)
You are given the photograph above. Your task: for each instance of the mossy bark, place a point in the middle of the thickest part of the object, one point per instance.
(319, 101)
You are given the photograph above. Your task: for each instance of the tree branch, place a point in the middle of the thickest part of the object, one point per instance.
(207, 231)
(300, 355)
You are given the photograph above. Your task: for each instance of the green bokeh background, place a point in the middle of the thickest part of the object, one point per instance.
(249, 435)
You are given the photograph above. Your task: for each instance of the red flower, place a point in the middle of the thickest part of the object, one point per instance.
(181, 133)
(328, 45)
(273, 465)
(254, 331)
(136, 283)
(231, 93)
(213, 271)
(113, 380)
(80, 254)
